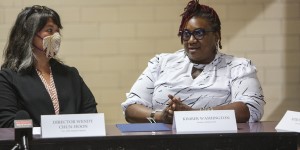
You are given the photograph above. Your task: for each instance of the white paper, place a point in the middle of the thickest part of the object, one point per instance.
(289, 122)
(36, 130)
(204, 121)
(73, 125)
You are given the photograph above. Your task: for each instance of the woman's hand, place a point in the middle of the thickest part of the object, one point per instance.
(167, 115)
(174, 104)
(177, 104)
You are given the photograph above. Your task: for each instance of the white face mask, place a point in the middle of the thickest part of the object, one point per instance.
(51, 44)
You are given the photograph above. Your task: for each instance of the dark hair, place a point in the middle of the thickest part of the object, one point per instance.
(192, 9)
(18, 53)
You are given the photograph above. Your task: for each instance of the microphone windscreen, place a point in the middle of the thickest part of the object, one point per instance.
(23, 126)
(21, 115)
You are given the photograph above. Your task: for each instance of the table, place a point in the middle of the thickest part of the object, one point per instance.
(250, 136)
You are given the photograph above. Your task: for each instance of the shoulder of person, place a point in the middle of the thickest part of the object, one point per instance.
(9, 75)
(239, 66)
(169, 56)
(63, 67)
(7, 72)
(236, 61)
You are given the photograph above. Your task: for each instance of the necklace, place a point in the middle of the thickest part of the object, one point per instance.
(196, 72)
(197, 69)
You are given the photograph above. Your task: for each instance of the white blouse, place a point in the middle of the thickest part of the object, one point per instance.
(225, 80)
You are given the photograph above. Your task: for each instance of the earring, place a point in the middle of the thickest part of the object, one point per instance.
(217, 45)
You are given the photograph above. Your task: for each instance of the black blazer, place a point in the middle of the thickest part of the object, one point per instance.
(26, 91)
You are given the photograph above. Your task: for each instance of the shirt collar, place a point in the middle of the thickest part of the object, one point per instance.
(215, 61)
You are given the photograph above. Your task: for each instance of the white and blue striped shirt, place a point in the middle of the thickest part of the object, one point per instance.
(225, 80)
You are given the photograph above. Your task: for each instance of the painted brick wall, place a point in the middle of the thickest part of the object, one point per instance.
(110, 42)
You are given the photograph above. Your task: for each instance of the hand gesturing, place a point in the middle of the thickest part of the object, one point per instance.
(175, 104)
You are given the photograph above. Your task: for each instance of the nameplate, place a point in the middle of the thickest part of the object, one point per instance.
(204, 121)
(73, 125)
(289, 122)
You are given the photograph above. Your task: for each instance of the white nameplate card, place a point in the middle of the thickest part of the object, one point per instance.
(204, 121)
(289, 122)
(73, 125)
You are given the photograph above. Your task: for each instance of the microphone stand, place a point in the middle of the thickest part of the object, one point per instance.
(24, 145)
(16, 147)
(23, 130)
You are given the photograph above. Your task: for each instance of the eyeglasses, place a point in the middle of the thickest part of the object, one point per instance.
(38, 7)
(35, 9)
(198, 34)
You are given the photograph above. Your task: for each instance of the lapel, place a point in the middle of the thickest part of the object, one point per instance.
(41, 95)
(61, 81)
(209, 74)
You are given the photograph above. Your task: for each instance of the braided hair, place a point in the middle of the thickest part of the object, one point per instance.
(192, 9)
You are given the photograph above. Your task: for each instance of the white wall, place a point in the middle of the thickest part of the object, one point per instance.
(111, 41)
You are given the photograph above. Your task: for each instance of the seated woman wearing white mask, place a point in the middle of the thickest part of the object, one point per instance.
(32, 78)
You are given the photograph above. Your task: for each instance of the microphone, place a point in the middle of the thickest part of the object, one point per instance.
(23, 129)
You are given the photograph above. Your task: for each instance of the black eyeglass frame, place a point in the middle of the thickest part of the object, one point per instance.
(35, 9)
(198, 37)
